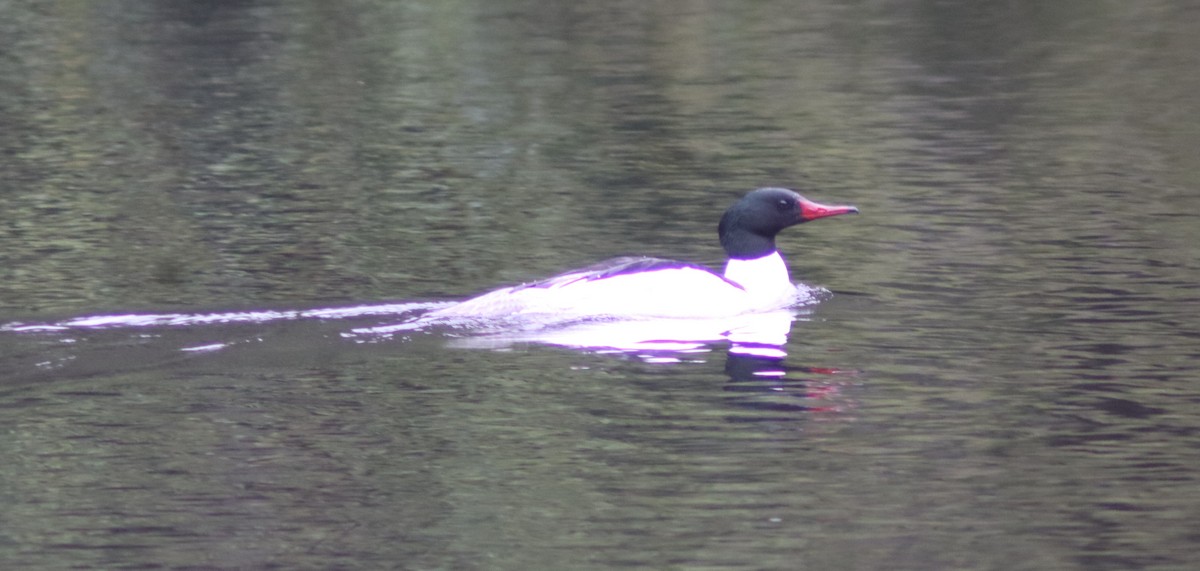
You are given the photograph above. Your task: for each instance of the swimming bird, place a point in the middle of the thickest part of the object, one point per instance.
(755, 278)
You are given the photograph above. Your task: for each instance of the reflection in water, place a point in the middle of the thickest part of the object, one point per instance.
(749, 333)
(1025, 299)
(754, 335)
(759, 382)
(767, 330)
(763, 383)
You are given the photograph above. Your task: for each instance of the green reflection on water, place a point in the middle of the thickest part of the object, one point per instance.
(1020, 288)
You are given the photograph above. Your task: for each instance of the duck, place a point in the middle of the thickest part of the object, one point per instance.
(755, 278)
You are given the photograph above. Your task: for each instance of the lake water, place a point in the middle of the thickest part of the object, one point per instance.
(1004, 376)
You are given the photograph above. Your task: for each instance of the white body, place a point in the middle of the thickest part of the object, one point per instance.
(762, 284)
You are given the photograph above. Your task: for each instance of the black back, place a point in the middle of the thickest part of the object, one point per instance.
(614, 267)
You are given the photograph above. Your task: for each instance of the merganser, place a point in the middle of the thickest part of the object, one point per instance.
(755, 278)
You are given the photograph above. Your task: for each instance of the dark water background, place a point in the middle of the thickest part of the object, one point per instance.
(1015, 318)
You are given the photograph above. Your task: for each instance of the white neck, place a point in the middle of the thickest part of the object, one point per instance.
(766, 279)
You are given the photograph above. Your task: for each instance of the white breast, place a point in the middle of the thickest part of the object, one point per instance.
(765, 279)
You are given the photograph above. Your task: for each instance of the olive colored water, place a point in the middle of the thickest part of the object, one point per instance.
(1004, 378)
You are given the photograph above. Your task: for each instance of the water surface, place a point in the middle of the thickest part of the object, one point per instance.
(1003, 376)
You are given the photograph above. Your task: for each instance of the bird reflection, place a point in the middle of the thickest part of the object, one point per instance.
(766, 384)
(760, 379)
(756, 334)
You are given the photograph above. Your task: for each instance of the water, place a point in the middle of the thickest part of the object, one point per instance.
(1003, 377)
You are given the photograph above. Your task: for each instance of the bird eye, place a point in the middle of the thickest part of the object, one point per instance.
(784, 204)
